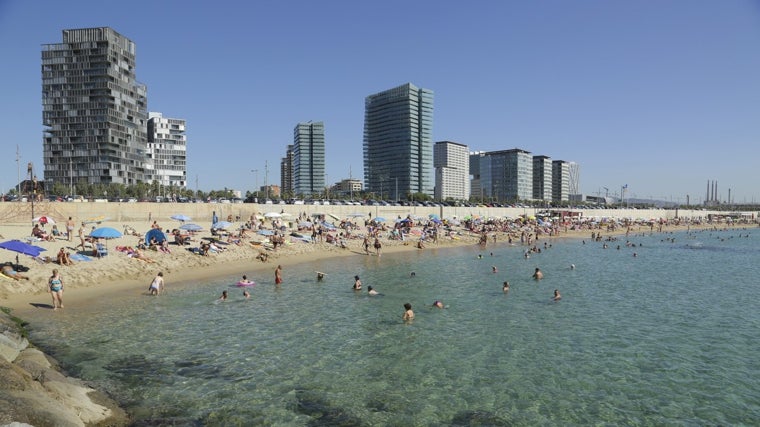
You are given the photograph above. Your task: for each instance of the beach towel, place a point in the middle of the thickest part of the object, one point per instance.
(80, 257)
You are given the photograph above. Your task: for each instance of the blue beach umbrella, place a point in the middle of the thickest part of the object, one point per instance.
(22, 248)
(190, 227)
(266, 232)
(378, 219)
(105, 233)
(180, 218)
(221, 225)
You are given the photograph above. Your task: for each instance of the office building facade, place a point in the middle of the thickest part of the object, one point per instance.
(542, 178)
(560, 180)
(309, 158)
(398, 146)
(452, 171)
(94, 110)
(286, 172)
(167, 151)
(507, 175)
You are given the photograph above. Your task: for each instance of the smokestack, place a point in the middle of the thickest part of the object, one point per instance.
(716, 192)
(707, 195)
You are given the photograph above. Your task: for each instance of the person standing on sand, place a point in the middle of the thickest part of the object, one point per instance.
(157, 285)
(278, 275)
(69, 229)
(55, 287)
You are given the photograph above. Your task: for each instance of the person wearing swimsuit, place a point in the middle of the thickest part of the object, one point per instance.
(55, 286)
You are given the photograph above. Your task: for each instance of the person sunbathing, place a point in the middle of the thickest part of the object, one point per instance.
(38, 233)
(139, 255)
(63, 258)
(8, 271)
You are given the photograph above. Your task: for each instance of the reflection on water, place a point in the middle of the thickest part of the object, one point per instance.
(666, 337)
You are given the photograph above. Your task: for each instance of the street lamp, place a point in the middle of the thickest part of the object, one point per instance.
(256, 189)
(33, 182)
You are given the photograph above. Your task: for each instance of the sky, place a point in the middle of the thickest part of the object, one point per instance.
(661, 96)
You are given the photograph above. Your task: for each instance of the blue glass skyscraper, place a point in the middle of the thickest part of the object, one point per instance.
(398, 142)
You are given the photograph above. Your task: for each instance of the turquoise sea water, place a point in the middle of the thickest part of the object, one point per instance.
(667, 337)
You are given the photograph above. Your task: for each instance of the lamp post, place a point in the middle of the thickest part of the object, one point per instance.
(33, 182)
(256, 188)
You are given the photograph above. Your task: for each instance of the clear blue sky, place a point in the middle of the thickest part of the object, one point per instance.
(660, 95)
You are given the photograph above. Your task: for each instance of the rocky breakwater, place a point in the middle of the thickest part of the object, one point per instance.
(34, 391)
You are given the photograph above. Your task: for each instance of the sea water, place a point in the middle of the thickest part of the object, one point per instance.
(661, 331)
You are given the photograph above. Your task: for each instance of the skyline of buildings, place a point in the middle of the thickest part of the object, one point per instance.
(99, 131)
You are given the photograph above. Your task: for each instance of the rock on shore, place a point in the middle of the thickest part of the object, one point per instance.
(34, 391)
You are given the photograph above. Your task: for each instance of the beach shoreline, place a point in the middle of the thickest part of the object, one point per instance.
(117, 274)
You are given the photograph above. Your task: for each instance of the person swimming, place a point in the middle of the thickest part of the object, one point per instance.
(438, 304)
(246, 294)
(224, 296)
(371, 291)
(557, 296)
(505, 287)
(538, 275)
(357, 283)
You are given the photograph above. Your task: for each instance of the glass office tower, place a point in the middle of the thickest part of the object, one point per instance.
(398, 142)
(309, 158)
(93, 109)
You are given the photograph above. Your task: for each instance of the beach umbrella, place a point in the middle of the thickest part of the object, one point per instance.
(180, 218)
(221, 225)
(154, 232)
(378, 219)
(286, 215)
(266, 232)
(44, 220)
(335, 217)
(190, 227)
(105, 233)
(22, 248)
(96, 219)
(272, 215)
(434, 216)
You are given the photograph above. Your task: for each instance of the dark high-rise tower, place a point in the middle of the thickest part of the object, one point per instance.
(93, 109)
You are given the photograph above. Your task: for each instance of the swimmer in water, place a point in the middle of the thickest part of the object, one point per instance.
(538, 275)
(371, 291)
(408, 313)
(438, 304)
(557, 296)
(493, 269)
(505, 287)
(246, 294)
(224, 296)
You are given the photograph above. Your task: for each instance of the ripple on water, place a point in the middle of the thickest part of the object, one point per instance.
(667, 337)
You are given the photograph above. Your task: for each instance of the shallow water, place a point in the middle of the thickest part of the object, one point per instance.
(668, 337)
